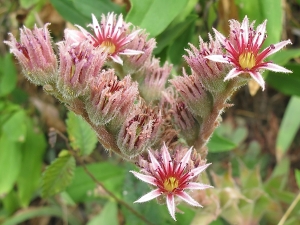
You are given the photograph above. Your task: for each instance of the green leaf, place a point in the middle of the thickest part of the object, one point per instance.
(108, 215)
(8, 75)
(110, 174)
(30, 173)
(289, 126)
(286, 83)
(15, 128)
(81, 135)
(11, 202)
(30, 213)
(297, 175)
(58, 175)
(284, 56)
(171, 33)
(10, 163)
(219, 144)
(154, 15)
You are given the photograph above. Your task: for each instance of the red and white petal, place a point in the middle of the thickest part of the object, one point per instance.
(166, 158)
(131, 36)
(188, 199)
(277, 47)
(131, 52)
(275, 68)
(258, 78)
(155, 163)
(117, 59)
(96, 27)
(146, 178)
(149, 196)
(233, 73)
(171, 205)
(245, 28)
(219, 36)
(118, 26)
(196, 171)
(260, 34)
(217, 58)
(198, 186)
(186, 158)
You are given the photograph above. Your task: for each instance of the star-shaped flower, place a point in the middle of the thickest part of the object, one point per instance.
(171, 178)
(112, 34)
(243, 51)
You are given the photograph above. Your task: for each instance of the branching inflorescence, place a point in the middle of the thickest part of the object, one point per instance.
(111, 79)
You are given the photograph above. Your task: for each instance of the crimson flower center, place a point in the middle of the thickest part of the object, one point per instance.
(170, 184)
(247, 60)
(109, 46)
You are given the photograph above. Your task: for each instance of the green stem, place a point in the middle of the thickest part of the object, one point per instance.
(289, 210)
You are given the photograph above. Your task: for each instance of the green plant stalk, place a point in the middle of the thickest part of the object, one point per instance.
(289, 210)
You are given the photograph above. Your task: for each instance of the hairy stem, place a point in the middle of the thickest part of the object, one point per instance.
(289, 210)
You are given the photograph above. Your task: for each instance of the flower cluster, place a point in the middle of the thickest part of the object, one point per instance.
(111, 78)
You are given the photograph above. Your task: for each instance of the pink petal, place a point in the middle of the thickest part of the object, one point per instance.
(96, 26)
(184, 196)
(220, 36)
(277, 47)
(131, 36)
(275, 68)
(117, 59)
(217, 58)
(197, 186)
(196, 171)
(258, 78)
(171, 205)
(245, 27)
(146, 178)
(131, 52)
(186, 158)
(149, 196)
(155, 163)
(260, 33)
(117, 31)
(233, 73)
(166, 155)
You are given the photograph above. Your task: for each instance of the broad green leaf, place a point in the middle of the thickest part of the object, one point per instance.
(108, 215)
(83, 187)
(70, 13)
(81, 135)
(219, 144)
(288, 128)
(58, 175)
(10, 163)
(11, 202)
(8, 75)
(172, 33)
(34, 212)
(283, 57)
(15, 128)
(31, 165)
(286, 83)
(297, 176)
(154, 15)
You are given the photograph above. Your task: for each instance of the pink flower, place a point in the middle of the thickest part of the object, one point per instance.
(111, 34)
(171, 177)
(242, 51)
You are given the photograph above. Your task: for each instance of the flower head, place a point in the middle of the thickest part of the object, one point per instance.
(243, 50)
(172, 176)
(112, 34)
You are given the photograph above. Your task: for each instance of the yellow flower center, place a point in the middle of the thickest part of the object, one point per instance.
(247, 60)
(109, 46)
(170, 184)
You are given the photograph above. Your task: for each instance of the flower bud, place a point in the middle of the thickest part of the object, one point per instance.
(78, 64)
(211, 74)
(139, 131)
(111, 99)
(194, 95)
(155, 80)
(35, 54)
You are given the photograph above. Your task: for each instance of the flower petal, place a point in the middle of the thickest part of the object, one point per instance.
(155, 163)
(146, 178)
(219, 36)
(149, 196)
(258, 78)
(233, 73)
(277, 47)
(117, 59)
(171, 205)
(131, 52)
(184, 196)
(196, 171)
(198, 186)
(186, 158)
(217, 58)
(275, 68)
